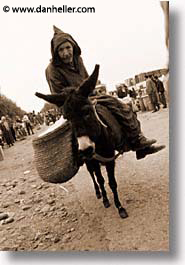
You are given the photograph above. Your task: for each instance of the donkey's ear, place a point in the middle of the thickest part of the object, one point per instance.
(89, 85)
(57, 99)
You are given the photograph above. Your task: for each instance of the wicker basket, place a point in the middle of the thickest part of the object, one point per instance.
(54, 156)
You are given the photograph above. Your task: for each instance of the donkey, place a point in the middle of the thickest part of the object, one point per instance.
(95, 140)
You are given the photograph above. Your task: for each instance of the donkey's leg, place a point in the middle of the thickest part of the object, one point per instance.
(96, 187)
(101, 182)
(113, 186)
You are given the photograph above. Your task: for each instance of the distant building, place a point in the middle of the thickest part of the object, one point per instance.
(141, 77)
(130, 82)
(138, 81)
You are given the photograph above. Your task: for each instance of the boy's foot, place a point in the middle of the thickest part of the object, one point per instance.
(142, 142)
(148, 151)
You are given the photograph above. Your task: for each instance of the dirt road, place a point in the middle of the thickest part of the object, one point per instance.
(43, 216)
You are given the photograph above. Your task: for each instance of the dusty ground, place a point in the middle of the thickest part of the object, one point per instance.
(43, 216)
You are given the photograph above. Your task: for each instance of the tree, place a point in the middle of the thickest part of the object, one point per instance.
(48, 106)
(8, 107)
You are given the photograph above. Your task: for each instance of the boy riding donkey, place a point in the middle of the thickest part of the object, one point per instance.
(66, 69)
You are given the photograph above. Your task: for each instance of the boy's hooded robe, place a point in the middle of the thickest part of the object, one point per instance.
(60, 75)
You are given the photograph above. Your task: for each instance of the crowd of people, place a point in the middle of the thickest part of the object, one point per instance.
(14, 129)
(51, 116)
(18, 128)
(156, 92)
(154, 89)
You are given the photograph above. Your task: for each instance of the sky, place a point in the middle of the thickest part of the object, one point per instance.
(125, 37)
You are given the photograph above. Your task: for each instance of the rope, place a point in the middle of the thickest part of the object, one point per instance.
(94, 102)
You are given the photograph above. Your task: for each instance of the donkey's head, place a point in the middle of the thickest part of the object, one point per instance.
(79, 110)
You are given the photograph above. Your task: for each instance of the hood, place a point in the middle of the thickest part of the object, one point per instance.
(59, 38)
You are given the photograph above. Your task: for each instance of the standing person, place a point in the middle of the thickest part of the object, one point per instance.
(7, 135)
(152, 93)
(19, 129)
(133, 93)
(1, 146)
(11, 126)
(66, 69)
(27, 123)
(133, 96)
(122, 91)
(51, 117)
(1, 137)
(156, 92)
(161, 91)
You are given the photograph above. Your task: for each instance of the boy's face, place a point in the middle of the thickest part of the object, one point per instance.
(65, 52)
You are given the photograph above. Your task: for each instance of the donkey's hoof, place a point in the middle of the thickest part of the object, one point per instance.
(122, 213)
(98, 195)
(106, 203)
